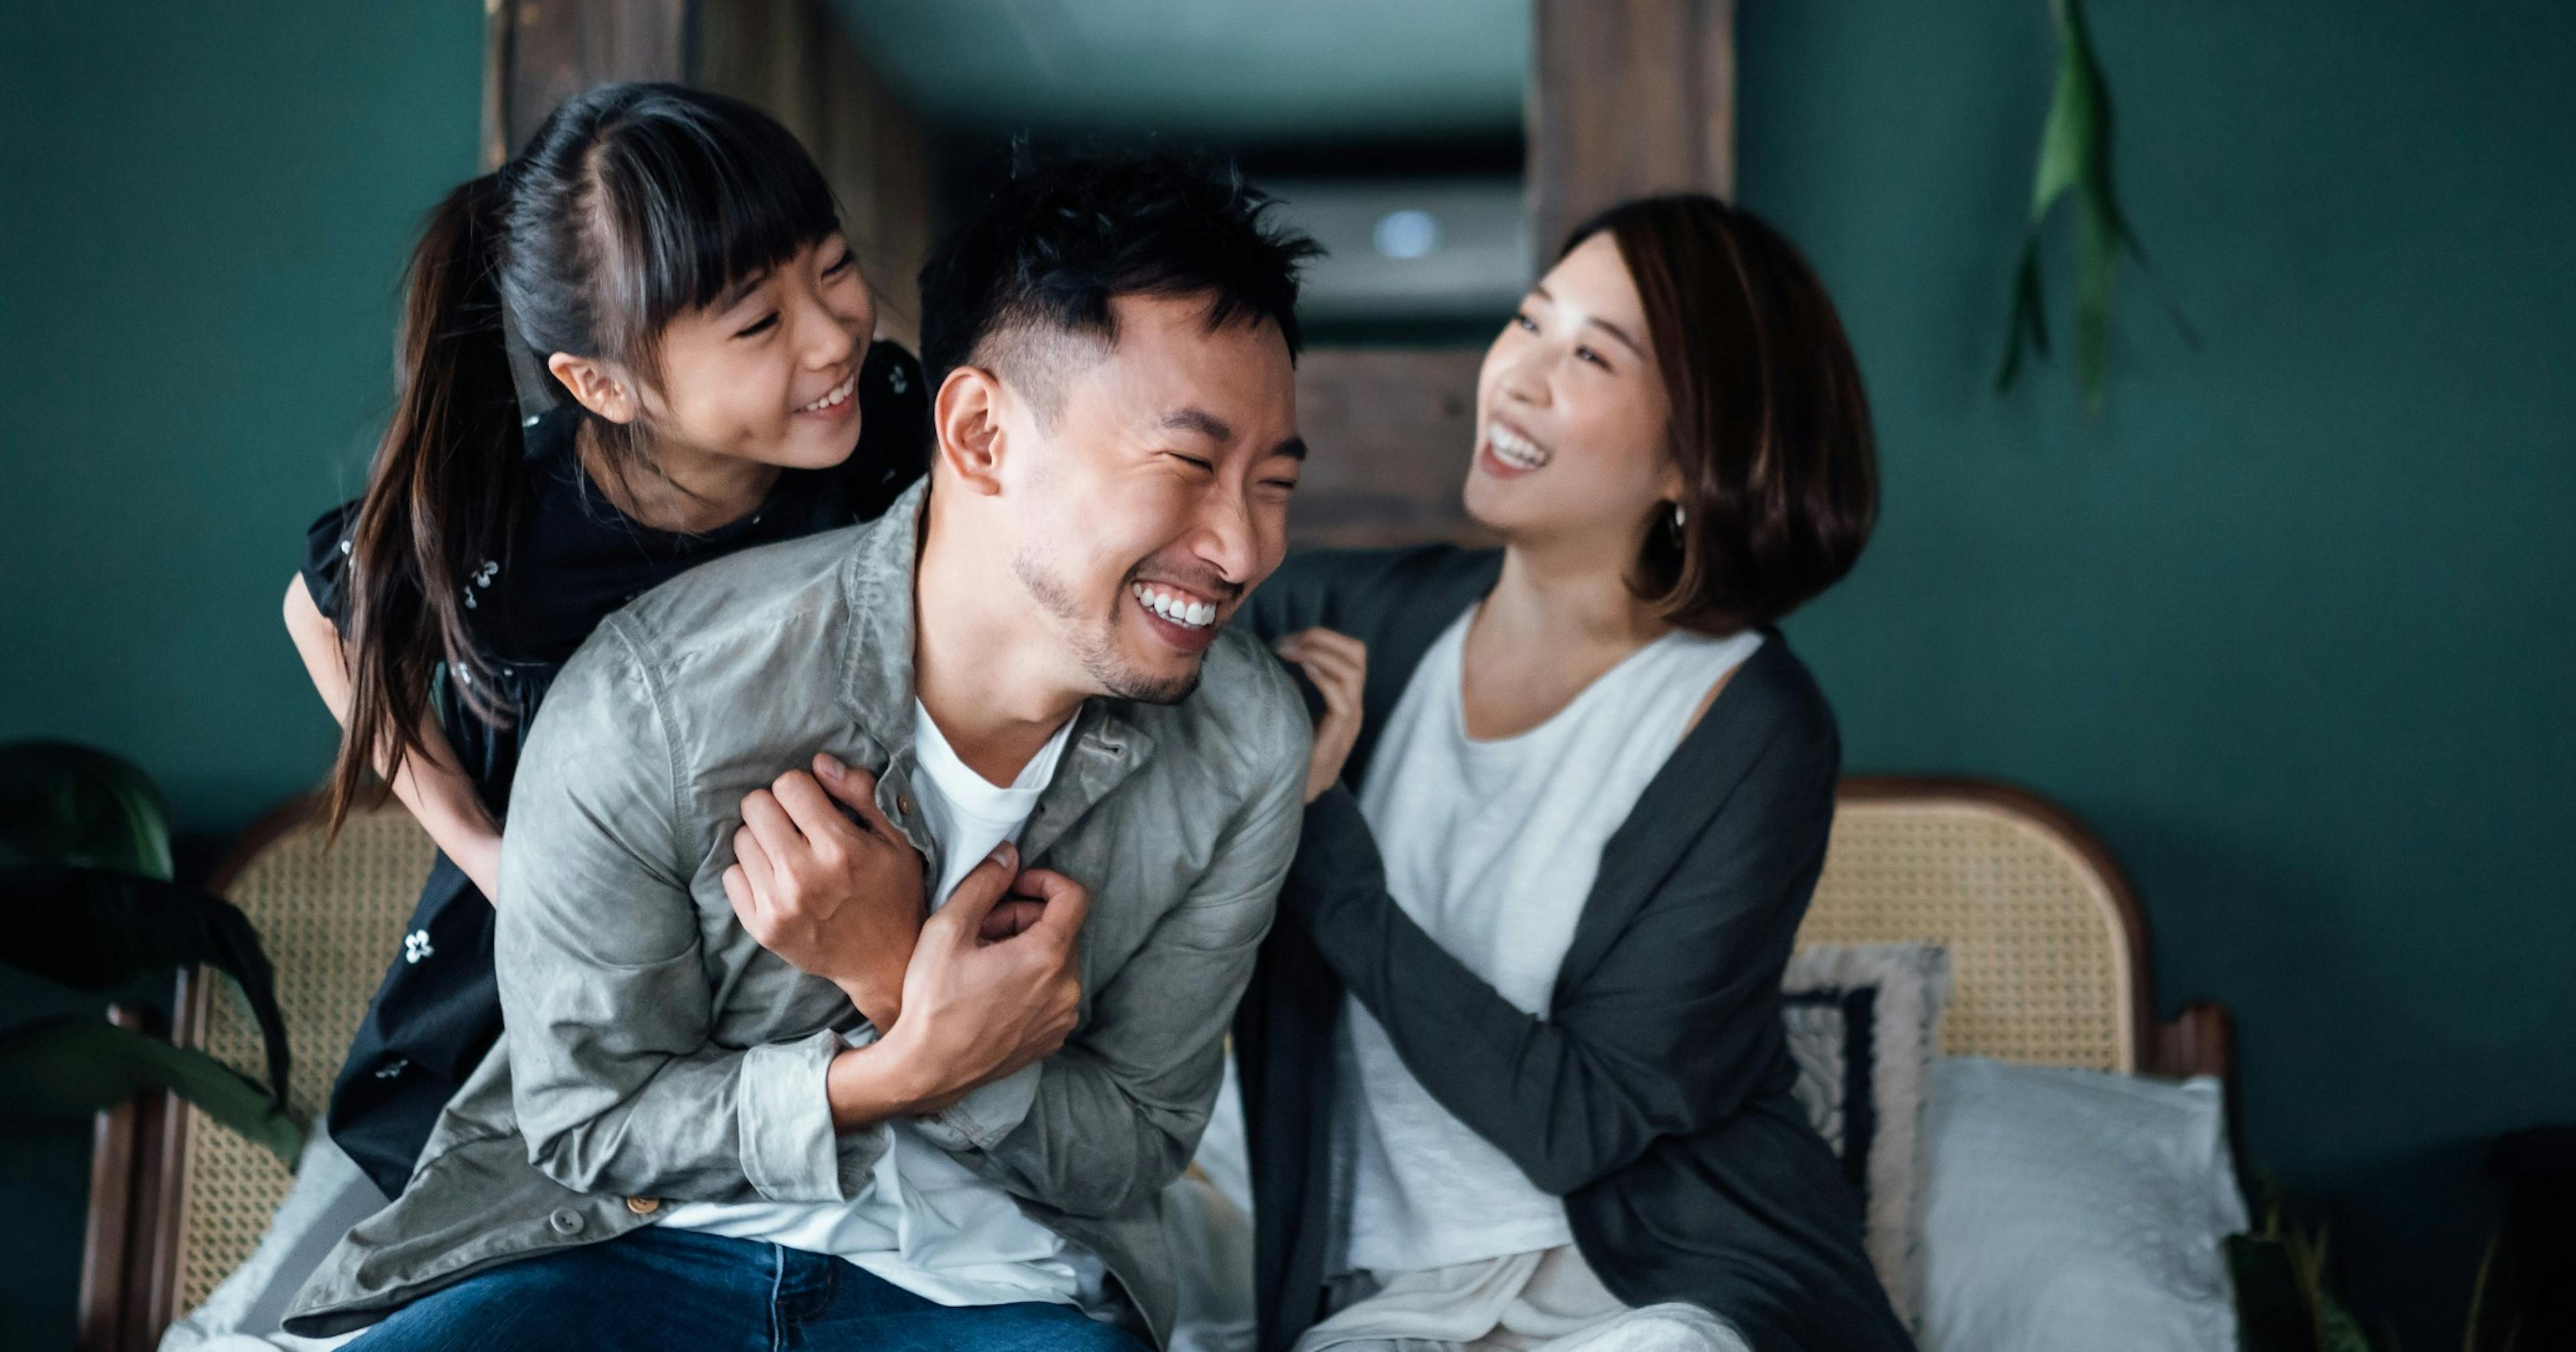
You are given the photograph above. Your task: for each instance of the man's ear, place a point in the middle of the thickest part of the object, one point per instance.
(601, 387)
(967, 415)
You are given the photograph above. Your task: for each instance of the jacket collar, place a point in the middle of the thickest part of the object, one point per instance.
(877, 683)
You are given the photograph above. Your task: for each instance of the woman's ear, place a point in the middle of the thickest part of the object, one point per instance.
(1674, 488)
(599, 386)
(967, 415)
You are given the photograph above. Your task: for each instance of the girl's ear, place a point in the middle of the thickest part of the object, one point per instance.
(967, 415)
(599, 386)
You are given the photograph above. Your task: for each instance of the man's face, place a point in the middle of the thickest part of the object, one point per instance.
(1157, 496)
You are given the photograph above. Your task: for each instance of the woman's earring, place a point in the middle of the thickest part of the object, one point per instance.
(1680, 518)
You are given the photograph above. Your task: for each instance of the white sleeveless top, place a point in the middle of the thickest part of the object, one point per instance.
(1491, 847)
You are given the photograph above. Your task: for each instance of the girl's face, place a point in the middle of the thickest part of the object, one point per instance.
(1571, 412)
(770, 371)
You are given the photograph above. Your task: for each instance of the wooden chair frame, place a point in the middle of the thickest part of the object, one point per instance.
(138, 1176)
(2200, 1038)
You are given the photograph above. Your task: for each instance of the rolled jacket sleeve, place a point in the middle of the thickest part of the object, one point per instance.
(617, 1083)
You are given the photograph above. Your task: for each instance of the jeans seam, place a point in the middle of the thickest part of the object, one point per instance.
(777, 1298)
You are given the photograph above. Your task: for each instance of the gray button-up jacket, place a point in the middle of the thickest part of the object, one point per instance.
(655, 1053)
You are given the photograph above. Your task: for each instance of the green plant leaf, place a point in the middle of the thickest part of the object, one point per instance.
(95, 930)
(2271, 1309)
(74, 1067)
(67, 804)
(2075, 159)
(2337, 1330)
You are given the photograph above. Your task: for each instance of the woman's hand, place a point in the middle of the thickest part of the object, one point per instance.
(1338, 665)
(839, 898)
(980, 1003)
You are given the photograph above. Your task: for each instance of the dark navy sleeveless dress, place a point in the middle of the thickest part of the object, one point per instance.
(571, 558)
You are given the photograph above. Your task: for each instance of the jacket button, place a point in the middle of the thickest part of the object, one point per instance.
(903, 805)
(565, 1221)
(643, 1206)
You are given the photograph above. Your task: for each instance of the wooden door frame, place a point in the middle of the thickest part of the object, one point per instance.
(1626, 97)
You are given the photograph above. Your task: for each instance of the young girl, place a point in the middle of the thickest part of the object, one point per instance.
(667, 267)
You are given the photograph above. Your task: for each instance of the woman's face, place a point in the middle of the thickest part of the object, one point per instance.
(1571, 411)
(770, 372)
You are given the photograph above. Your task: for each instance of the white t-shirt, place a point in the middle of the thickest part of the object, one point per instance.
(924, 1222)
(1491, 847)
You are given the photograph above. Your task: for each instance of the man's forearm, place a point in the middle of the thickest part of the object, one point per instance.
(876, 1083)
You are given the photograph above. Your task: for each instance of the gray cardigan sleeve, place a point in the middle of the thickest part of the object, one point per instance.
(1669, 1035)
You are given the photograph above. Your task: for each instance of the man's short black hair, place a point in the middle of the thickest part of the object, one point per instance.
(1038, 262)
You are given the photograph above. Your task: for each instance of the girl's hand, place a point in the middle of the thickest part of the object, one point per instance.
(1338, 665)
(839, 898)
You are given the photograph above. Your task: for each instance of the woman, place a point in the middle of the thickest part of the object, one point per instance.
(1513, 1064)
(673, 263)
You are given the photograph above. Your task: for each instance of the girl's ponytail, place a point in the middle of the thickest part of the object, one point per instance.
(631, 204)
(437, 500)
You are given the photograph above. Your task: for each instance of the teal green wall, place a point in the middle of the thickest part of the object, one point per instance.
(206, 208)
(203, 209)
(2290, 622)
(2293, 622)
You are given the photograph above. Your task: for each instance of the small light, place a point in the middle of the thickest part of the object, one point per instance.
(1407, 234)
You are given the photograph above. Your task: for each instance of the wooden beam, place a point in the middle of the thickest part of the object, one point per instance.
(1627, 97)
(537, 53)
(1392, 431)
(795, 60)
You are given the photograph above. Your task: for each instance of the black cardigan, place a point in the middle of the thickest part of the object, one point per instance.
(1655, 1095)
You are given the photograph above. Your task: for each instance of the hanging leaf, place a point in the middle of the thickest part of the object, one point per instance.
(95, 930)
(74, 1067)
(2075, 159)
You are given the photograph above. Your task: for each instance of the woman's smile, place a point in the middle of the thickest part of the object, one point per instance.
(1510, 453)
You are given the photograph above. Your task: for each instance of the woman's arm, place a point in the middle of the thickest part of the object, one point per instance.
(432, 784)
(1669, 1036)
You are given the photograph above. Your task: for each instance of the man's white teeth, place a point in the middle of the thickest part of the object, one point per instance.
(1516, 450)
(839, 393)
(1178, 609)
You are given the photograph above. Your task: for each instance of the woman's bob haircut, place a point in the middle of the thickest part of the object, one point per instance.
(1769, 426)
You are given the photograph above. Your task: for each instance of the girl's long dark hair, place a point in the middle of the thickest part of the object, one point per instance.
(631, 205)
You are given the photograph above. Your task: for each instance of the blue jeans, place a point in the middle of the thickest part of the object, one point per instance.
(656, 1288)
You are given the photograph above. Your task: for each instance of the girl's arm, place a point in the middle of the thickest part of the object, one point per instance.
(432, 784)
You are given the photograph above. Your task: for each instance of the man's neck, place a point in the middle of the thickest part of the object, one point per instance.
(983, 663)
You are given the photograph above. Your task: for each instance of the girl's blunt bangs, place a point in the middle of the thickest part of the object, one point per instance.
(692, 204)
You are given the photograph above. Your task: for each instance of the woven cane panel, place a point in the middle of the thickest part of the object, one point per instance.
(330, 919)
(2039, 961)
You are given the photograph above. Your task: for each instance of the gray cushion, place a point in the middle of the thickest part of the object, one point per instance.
(1864, 1026)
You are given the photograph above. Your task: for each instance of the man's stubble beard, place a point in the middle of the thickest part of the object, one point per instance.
(1092, 643)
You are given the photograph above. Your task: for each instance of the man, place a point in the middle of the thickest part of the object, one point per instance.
(748, 1095)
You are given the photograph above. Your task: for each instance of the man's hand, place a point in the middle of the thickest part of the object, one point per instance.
(995, 980)
(839, 898)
